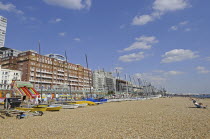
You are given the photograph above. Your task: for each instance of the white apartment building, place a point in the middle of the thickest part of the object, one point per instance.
(7, 52)
(3, 27)
(6, 77)
(103, 81)
(99, 80)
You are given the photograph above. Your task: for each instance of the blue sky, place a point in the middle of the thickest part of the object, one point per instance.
(165, 42)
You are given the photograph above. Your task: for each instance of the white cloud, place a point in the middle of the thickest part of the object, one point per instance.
(70, 4)
(183, 23)
(142, 20)
(180, 25)
(174, 28)
(138, 45)
(77, 39)
(143, 42)
(132, 57)
(146, 39)
(160, 7)
(9, 7)
(177, 55)
(58, 20)
(62, 34)
(158, 76)
(169, 5)
(202, 70)
(173, 72)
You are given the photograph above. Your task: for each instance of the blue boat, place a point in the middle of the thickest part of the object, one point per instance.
(99, 101)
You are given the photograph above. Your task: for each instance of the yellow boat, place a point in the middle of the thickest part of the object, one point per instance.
(31, 109)
(90, 103)
(54, 108)
(48, 107)
(41, 106)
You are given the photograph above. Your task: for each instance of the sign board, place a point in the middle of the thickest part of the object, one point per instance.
(22, 84)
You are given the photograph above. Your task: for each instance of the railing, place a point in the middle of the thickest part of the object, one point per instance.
(60, 70)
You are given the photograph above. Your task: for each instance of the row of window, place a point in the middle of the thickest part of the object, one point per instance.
(4, 86)
(6, 73)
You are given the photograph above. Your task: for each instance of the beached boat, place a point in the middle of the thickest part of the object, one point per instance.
(53, 108)
(90, 103)
(70, 106)
(48, 107)
(31, 109)
(101, 100)
(67, 106)
(81, 105)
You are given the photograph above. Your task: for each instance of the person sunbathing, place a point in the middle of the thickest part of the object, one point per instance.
(198, 105)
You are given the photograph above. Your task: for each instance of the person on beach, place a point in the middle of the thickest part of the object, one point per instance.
(198, 105)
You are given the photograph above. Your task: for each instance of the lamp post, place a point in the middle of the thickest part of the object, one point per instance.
(40, 69)
(88, 74)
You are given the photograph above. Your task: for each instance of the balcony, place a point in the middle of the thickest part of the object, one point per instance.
(38, 71)
(60, 74)
(73, 80)
(37, 81)
(48, 77)
(60, 79)
(60, 70)
(74, 77)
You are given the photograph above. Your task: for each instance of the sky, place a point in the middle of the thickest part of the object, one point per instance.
(163, 42)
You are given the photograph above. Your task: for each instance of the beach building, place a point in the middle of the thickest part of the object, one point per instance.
(103, 81)
(3, 27)
(98, 80)
(6, 78)
(48, 72)
(121, 85)
(7, 52)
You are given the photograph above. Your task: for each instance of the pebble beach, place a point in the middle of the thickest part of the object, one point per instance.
(163, 118)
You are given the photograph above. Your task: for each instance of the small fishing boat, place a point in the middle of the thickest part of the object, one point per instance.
(90, 103)
(48, 107)
(31, 109)
(97, 101)
(65, 105)
(70, 106)
(53, 108)
(81, 105)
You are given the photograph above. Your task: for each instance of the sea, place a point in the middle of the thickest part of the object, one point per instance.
(202, 96)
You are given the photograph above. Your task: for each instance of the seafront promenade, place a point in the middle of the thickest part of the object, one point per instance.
(174, 118)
